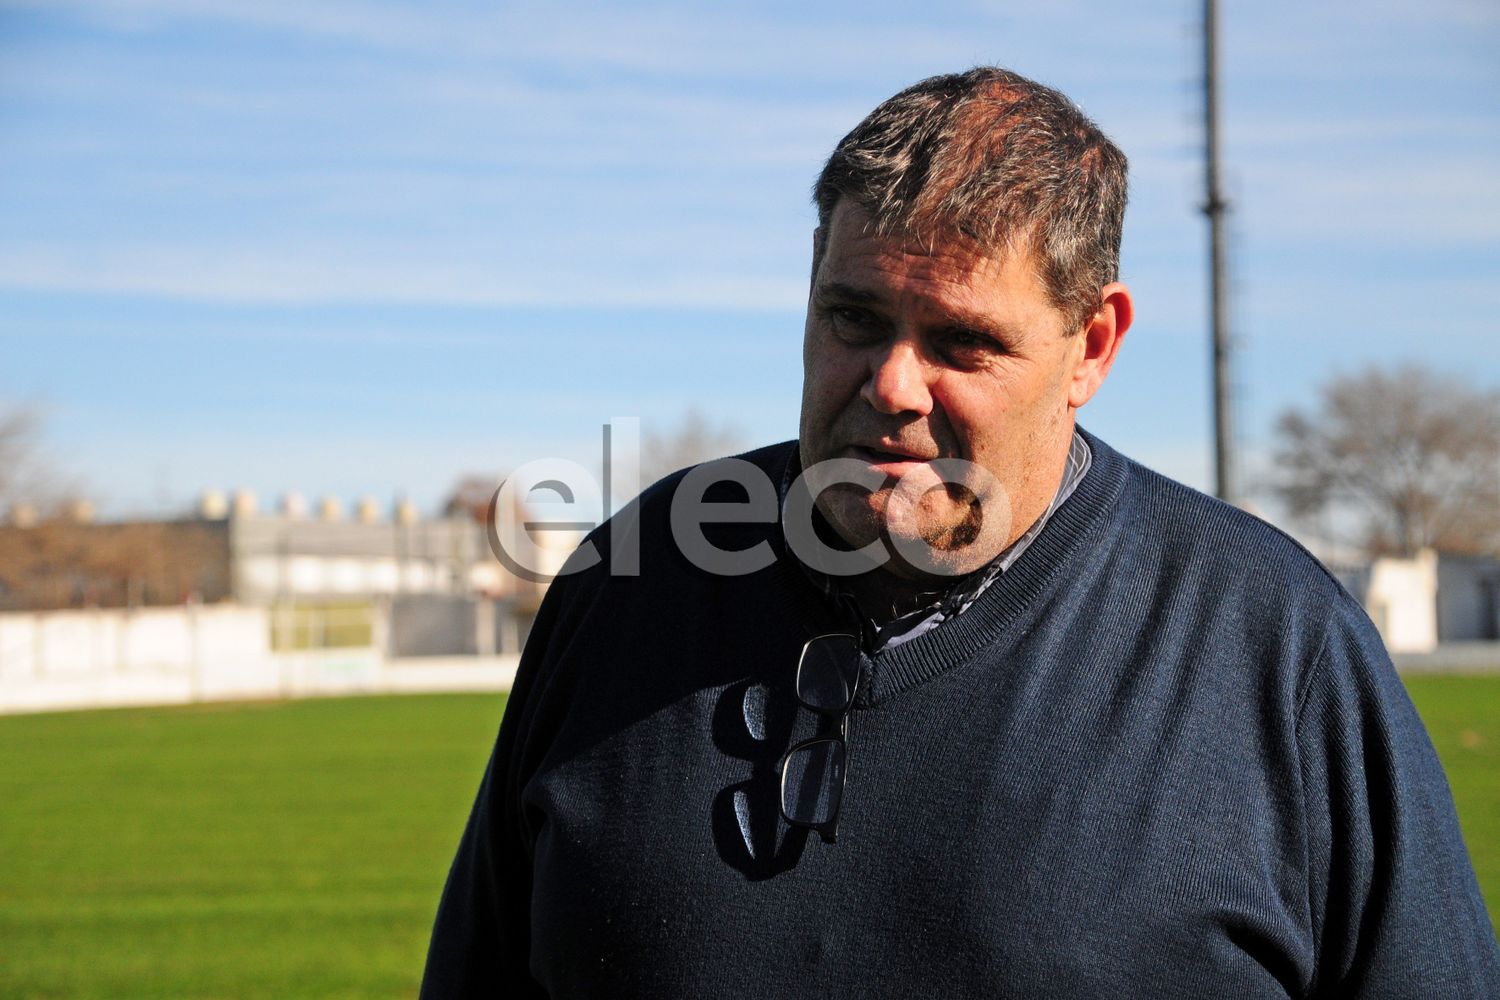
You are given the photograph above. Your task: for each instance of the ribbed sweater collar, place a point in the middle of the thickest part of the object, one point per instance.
(1006, 607)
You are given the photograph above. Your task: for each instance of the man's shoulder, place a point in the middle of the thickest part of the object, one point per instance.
(1187, 527)
(772, 461)
(1242, 586)
(645, 524)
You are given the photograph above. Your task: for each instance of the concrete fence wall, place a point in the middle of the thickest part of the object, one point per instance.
(99, 658)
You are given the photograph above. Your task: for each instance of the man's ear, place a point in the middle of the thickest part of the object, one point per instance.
(1102, 336)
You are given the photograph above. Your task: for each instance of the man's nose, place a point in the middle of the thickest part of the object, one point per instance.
(898, 382)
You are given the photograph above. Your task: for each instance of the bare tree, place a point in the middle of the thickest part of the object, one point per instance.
(1410, 457)
(18, 429)
(60, 563)
(470, 497)
(25, 476)
(692, 440)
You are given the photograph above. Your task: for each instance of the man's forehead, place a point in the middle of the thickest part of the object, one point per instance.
(853, 233)
(856, 254)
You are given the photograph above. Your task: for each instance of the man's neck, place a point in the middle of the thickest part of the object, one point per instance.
(883, 595)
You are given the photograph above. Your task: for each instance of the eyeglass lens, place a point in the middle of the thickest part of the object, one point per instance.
(813, 782)
(828, 673)
(812, 779)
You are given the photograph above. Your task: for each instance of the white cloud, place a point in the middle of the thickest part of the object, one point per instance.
(1397, 200)
(652, 39)
(305, 276)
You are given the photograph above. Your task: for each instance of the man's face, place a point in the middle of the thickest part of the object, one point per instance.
(913, 354)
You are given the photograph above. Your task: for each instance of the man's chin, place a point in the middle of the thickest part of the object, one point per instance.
(857, 517)
(931, 548)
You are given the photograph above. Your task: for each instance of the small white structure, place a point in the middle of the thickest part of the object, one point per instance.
(1430, 598)
(330, 509)
(23, 515)
(1402, 601)
(244, 503)
(293, 505)
(213, 506)
(367, 511)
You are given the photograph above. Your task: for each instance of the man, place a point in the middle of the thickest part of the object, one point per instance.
(972, 705)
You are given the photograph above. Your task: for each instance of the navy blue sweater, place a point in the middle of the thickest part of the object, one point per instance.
(1164, 755)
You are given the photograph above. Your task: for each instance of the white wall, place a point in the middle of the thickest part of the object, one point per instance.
(99, 658)
(265, 576)
(1402, 601)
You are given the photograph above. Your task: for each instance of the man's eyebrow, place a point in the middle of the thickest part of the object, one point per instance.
(849, 293)
(964, 319)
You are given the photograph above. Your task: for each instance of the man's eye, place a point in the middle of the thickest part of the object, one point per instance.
(967, 349)
(853, 324)
(968, 340)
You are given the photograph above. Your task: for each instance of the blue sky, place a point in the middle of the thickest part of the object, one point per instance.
(362, 247)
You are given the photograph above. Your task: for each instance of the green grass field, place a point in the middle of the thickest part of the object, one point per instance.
(256, 850)
(1463, 718)
(297, 849)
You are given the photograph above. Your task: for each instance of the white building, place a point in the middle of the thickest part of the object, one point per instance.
(1430, 598)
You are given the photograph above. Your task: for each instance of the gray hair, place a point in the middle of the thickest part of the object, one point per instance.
(998, 159)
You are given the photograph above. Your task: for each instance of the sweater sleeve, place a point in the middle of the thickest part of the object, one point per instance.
(1395, 905)
(481, 939)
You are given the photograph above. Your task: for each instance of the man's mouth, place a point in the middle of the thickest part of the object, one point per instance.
(894, 461)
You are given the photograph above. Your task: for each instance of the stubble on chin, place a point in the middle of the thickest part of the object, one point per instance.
(949, 525)
(955, 533)
(857, 515)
